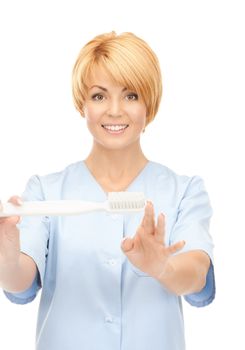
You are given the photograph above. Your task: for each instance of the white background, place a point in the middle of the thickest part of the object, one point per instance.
(198, 130)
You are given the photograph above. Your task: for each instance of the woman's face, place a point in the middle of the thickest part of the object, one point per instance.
(115, 115)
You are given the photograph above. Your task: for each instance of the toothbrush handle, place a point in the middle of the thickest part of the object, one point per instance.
(60, 207)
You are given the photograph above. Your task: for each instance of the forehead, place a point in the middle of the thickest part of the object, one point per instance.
(100, 76)
(108, 77)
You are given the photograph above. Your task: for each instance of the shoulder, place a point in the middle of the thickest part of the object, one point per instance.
(51, 185)
(164, 172)
(169, 181)
(70, 170)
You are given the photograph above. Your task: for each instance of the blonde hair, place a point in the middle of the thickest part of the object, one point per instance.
(128, 60)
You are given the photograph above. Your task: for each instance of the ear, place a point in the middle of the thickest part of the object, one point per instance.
(81, 111)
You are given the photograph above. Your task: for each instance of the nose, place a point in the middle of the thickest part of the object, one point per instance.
(115, 108)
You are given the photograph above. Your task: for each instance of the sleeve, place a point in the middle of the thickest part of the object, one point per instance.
(34, 235)
(192, 226)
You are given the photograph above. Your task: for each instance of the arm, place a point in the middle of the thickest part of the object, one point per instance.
(186, 273)
(17, 277)
(181, 273)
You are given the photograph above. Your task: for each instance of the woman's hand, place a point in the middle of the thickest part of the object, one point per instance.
(9, 238)
(17, 270)
(147, 250)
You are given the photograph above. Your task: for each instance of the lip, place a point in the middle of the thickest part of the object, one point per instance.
(115, 132)
(122, 124)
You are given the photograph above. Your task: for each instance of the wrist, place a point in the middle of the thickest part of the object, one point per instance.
(167, 272)
(9, 268)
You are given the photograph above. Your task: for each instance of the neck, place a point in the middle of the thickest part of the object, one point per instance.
(115, 164)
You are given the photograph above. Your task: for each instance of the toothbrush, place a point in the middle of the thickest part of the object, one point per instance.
(117, 202)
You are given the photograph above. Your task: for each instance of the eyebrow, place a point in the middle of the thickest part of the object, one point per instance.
(104, 89)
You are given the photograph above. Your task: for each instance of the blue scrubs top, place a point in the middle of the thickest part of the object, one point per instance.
(92, 296)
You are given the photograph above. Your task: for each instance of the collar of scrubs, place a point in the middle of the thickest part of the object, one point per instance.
(135, 179)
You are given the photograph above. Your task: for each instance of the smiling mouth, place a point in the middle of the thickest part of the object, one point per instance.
(116, 127)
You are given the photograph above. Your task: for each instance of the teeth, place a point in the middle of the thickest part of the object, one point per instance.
(115, 127)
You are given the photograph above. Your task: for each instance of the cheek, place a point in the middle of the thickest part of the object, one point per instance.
(91, 114)
(139, 116)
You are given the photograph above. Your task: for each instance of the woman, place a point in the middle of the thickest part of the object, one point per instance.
(112, 281)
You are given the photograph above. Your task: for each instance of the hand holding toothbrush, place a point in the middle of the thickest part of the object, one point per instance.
(9, 237)
(17, 270)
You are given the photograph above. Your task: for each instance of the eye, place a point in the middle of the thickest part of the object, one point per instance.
(132, 97)
(97, 97)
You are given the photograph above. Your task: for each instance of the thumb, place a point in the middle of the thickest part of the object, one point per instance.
(127, 244)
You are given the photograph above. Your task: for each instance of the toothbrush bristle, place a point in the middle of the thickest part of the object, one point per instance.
(126, 201)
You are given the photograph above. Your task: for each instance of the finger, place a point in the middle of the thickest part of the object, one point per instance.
(127, 244)
(148, 220)
(16, 200)
(176, 247)
(160, 229)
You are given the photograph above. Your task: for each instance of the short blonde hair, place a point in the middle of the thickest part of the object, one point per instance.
(128, 60)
